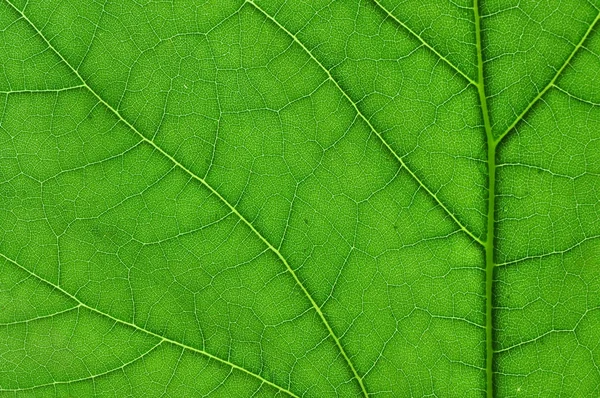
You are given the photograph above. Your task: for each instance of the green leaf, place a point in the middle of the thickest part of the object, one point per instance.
(300, 198)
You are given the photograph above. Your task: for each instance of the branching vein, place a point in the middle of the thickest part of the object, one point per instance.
(225, 202)
(371, 127)
(146, 331)
(426, 44)
(552, 82)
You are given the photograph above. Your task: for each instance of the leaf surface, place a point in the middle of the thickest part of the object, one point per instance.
(306, 199)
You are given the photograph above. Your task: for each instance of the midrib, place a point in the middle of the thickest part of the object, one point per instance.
(489, 242)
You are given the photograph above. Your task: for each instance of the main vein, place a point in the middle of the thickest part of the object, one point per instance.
(489, 243)
(492, 145)
(371, 127)
(224, 201)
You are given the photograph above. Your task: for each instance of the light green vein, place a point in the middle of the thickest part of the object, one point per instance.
(37, 318)
(371, 127)
(489, 243)
(550, 172)
(583, 101)
(429, 46)
(552, 82)
(42, 91)
(223, 200)
(91, 377)
(146, 331)
(554, 253)
(540, 337)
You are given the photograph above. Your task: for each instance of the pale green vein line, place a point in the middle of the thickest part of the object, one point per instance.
(37, 318)
(366, 120)
(489, 244)
(458, 319)
(173, 373)
(148, 332)
(574, 96)
(554, 253)
(91, 377)
(552, 173)
(548, 333)
(552, 82)
(430, 47)
(42, 91)
(526, 342)
(218, 195)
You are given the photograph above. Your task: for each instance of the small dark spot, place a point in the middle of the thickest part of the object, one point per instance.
(306, 221)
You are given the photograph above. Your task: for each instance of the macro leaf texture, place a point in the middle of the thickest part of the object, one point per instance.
(307, 198)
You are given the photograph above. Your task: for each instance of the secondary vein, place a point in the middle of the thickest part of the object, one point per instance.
(426, 44)
(146, 331)
(370, 125)
(226, 203)
(552, 82)
(91, 377)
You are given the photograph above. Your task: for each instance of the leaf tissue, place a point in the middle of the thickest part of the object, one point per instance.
(274, 198)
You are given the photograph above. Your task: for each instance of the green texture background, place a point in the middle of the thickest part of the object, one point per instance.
(300, 198)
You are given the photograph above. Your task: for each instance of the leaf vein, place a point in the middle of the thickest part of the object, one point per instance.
(552, 81)
(425, 43)
(37, 318)
(149, 332)
(90, 377)
(370, 125)
(223, 200)
(554, 253)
